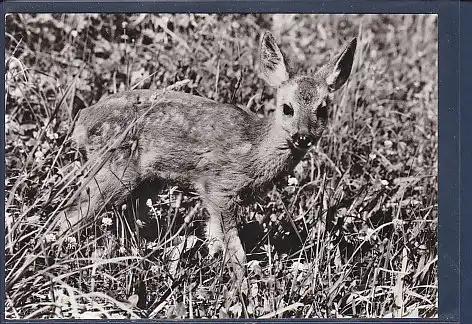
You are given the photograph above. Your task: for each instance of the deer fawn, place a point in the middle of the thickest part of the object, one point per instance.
(220, 150)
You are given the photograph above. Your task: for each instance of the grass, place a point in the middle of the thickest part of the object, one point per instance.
(352, 232)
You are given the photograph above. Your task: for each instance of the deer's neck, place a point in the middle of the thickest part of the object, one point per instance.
(272, 155)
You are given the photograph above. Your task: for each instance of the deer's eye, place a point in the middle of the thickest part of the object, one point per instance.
(322, 110)
(288, 110)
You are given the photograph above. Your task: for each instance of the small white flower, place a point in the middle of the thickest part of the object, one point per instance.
(155, 269)
(298, 266)
(107, 221)
(50, 238)
(292, 181)
(388, 143)
(370, 235)
(149, 203)
(152, 245)
(398, 224)
(74, 33)
(372, 156)
(71, 243)
(384, 182)
(71, 240)
(39, 155)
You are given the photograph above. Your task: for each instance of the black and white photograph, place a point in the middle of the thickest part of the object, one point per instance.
(216, 166)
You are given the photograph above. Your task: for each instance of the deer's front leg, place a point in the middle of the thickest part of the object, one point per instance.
(222, 232)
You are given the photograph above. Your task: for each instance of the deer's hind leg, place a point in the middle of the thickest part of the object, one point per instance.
(107, 187)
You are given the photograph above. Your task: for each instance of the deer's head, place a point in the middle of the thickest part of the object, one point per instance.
(302, 105)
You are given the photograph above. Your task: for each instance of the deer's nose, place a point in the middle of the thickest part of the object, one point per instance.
(302, 141)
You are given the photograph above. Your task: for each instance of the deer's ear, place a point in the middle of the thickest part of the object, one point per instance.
(337, 71)
(272, 64)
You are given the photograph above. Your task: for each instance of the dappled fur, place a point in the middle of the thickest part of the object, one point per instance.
(225, 153)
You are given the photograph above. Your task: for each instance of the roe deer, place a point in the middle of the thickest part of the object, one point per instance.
(224, 152)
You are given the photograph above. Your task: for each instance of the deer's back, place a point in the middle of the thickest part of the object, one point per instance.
(179, 136)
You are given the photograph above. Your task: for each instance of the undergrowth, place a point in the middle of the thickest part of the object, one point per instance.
(352, 232)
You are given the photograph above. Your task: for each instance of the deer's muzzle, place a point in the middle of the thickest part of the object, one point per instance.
(303, 141)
